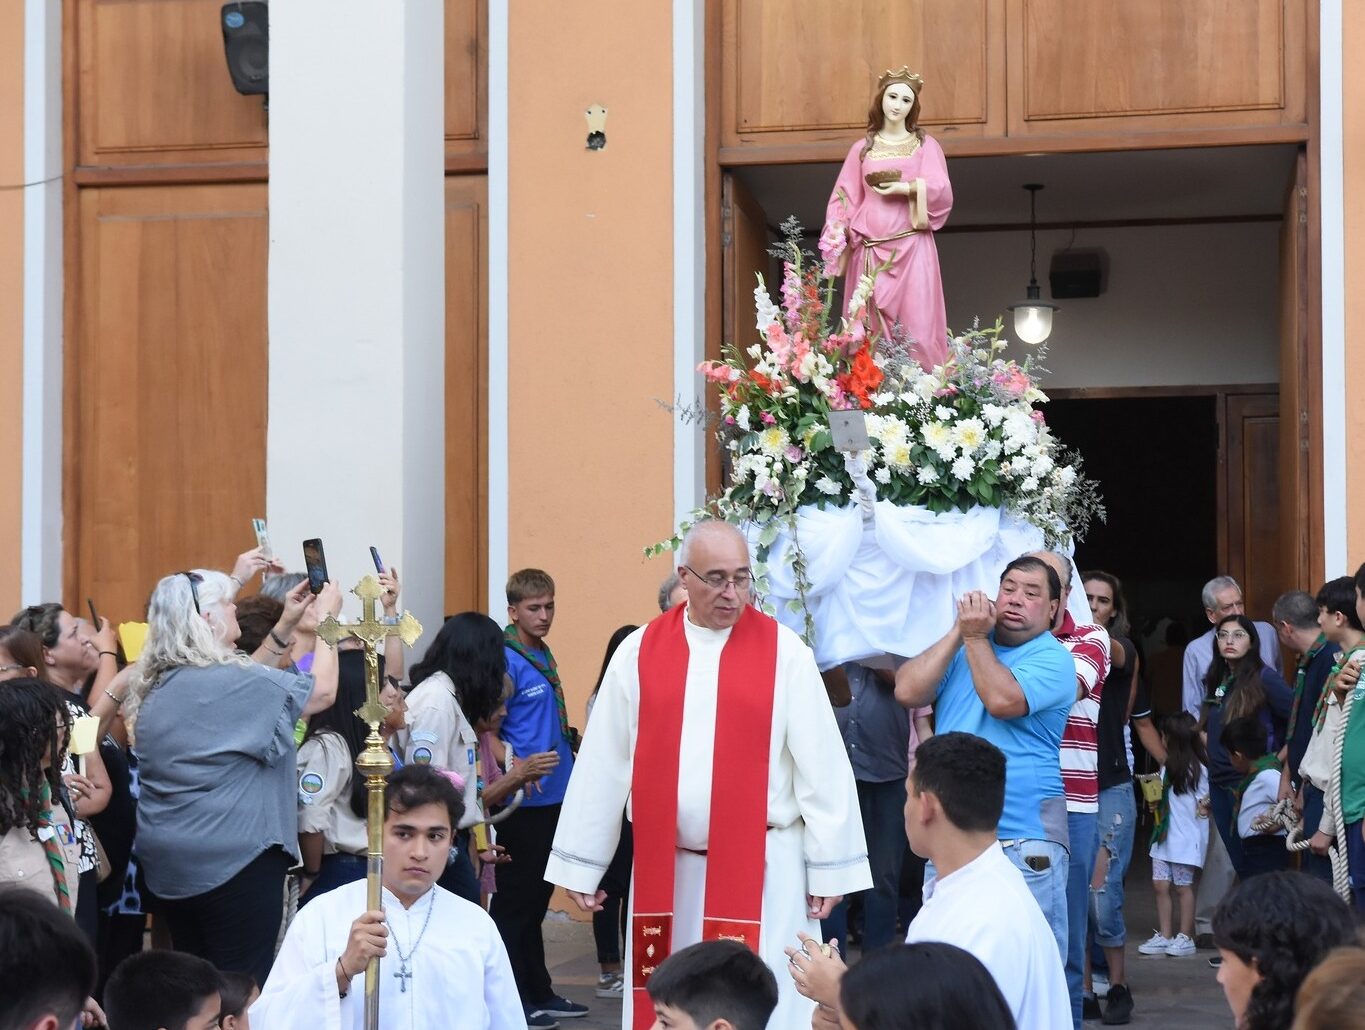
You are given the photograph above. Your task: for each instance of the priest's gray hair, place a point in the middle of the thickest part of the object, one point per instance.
(704, 529)
(1216, 586)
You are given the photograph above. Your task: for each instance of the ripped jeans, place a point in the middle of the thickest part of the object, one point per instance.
(1117, 820)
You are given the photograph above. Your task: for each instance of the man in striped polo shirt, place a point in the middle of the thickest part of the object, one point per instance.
(1089, 647)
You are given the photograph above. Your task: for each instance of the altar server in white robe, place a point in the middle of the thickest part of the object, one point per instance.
(443, 960)
(714, 723)
(979, 901)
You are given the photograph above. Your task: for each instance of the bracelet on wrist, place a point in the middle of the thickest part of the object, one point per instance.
(312, 874)
(111, 654)
(283, 643)
(118, 701)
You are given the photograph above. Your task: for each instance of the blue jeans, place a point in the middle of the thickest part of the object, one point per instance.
(1220, 801)
(1315, 865)
(883, 811)
(334, 871)
(1117, 823)
(1085, 842)
(1046, 879)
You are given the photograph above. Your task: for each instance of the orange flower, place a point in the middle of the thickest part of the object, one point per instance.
(862, 378)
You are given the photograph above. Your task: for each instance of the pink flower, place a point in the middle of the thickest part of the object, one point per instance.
(779, 344)
(946, 390)
(1012, 380)
(768, 418)
(1036, 415)
(729, 420)
(794, 454)
(833, 243)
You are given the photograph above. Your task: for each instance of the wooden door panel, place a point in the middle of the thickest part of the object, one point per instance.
(1251, 472)
(1160, 63)
(1295, 402)
(168, 384)
(466, 418)
(154, 86)
(466, 77)
(744, 253)
(802, 70)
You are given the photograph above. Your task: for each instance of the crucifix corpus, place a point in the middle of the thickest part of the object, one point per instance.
(375, 763)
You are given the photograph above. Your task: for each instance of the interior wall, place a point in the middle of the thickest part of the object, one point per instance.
(1184, 304)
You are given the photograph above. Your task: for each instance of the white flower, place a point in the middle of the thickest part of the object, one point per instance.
(891, 432)
(828, 486)
(742, 417)
(881, 400)
(882, 475)
(755, 352)
(963, 468)
(1042, 465)
(991, 449)
(1064, 476)
(860, 293)
(768, 312)
(937, 436)
(898, 455)
(944, 413)
(926, 386)
(927, 474)
(1029, 484)
(994, 414)
(969, 434)
(773, 441)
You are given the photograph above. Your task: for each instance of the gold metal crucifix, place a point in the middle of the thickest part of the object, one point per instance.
(375, 763)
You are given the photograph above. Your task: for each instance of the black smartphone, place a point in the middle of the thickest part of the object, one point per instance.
(378, 561)
(315, 563)
(94, 618)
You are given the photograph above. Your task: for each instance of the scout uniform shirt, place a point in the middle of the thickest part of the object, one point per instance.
(325, 771)
(439, 735)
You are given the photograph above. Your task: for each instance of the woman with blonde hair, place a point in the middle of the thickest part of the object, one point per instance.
(213, 731)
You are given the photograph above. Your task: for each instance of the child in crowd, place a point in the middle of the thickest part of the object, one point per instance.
(926, 984)
(1263, 851)
(163, 990)
(237, 991)
(714, 985)
(1180, 836)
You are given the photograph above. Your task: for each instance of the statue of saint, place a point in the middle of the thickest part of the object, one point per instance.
(892, 194)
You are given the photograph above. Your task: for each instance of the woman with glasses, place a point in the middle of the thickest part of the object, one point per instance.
(1239, 684)
(213, 731)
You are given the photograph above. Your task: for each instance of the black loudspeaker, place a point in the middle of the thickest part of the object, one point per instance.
(1078, 273)
(246, 40)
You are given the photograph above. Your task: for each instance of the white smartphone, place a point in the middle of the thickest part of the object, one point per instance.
(262, 537)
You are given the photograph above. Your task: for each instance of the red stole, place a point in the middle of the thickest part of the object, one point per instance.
(739, 790)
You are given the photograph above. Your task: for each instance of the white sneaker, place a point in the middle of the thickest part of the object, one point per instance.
(1099, 985)
(1158, 945)
(1180, 947)
(611, 985)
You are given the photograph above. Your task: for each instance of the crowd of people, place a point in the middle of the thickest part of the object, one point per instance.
(967, 815)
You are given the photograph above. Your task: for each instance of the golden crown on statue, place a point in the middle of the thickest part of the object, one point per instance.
(901, 74)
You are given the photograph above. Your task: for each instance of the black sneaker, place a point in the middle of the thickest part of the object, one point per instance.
(562, 1008)
(1118, 1007)
(1216, 961)
(538, 1020)
(1090, 1007)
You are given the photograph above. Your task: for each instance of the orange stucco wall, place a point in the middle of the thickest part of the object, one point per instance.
(1353, 125)
(11, 294)
(590, 321)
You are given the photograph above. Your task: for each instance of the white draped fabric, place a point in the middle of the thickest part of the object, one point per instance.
(889, 586)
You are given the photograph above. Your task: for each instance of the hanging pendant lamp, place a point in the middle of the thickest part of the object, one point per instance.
(1033, 315)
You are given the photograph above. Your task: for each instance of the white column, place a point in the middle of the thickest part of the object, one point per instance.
(41, 512)
(689, 249)
(1332, 214)
(356, 436)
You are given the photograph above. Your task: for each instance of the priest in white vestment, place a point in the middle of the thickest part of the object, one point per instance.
(443, 964)
(778, 830)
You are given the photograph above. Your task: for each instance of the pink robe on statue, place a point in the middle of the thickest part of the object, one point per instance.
(910, 291)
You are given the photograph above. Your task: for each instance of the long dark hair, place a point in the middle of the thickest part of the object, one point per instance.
(927, 986)
(339, 717)
(468, 649)
(1184, 752)
(1284, 923)
(35, 723)
(1246, 695)
(612, 644)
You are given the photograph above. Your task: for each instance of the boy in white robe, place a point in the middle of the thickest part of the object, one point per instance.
(441, 955)
(978, 901)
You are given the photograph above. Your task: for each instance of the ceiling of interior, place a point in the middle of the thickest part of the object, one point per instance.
(1119, 186)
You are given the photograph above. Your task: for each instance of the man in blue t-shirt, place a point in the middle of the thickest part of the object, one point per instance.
(1000, 674)
(536, 722)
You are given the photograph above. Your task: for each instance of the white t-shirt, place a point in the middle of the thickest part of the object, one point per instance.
(1260, 795)
(1187, 834)
(986, 908)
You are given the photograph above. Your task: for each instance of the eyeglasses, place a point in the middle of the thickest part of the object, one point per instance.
(195, 579)
(741, 580)
(1237, 634)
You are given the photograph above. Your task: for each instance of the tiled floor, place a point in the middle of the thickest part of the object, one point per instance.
(1174, 994)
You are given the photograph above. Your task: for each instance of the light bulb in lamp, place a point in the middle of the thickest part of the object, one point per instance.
(1033, 322)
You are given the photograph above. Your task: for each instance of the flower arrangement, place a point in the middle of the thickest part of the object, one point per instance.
(966, 433)
(963, 434)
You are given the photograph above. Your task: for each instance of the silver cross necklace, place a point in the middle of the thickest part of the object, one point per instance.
(403, 975)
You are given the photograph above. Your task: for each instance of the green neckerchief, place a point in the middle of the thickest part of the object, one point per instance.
(1300, 677)
(52, 847)
(547, 667)
(1320, 711)
(1163, 810)
(1257, 767)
